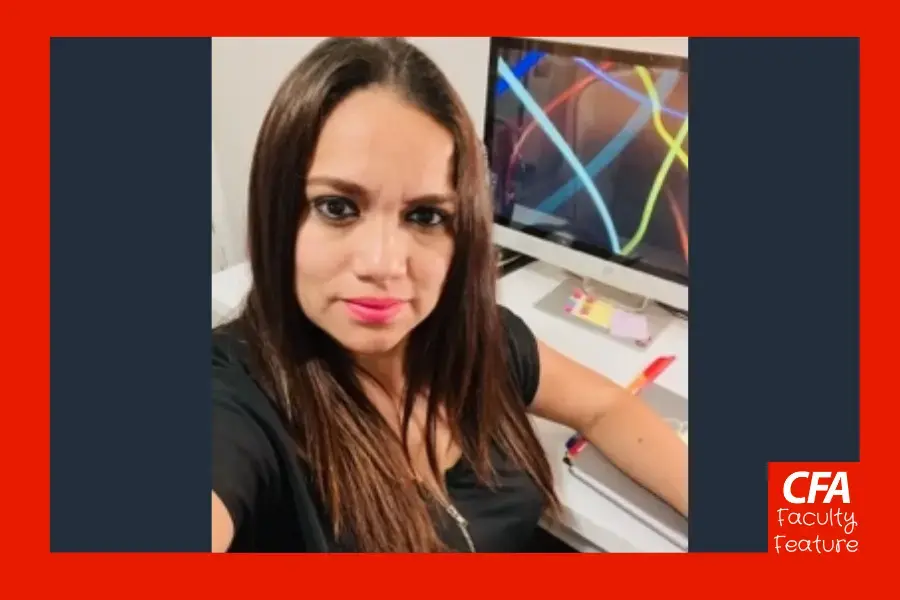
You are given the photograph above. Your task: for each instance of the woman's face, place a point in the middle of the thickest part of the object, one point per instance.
(374, 250)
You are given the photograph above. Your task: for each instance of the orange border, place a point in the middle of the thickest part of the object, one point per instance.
(24, 246)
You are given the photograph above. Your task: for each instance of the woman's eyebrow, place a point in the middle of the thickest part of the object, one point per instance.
(343, 186)
(433, 200)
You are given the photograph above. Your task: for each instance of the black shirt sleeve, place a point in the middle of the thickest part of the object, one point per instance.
(244, 462)
(523, 354)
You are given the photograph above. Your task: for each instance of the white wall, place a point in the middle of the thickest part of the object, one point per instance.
(247, 71)
(226, 247)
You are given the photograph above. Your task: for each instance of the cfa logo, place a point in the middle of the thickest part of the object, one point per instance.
(837, 487)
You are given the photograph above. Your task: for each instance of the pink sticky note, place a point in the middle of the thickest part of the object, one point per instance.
(629, 325)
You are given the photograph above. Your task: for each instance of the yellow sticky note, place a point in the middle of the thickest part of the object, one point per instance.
(600, 314)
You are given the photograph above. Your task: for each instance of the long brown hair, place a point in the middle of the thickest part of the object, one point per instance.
(455, 357)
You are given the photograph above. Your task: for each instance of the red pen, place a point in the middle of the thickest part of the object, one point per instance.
(649, 374)
(577, 442)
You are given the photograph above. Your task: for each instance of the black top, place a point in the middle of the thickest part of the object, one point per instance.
(271, 498)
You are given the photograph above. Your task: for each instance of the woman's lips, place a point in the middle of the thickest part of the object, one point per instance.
(373, 310)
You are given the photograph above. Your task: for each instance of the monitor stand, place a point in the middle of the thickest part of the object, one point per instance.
(626, 318)
(614, 296)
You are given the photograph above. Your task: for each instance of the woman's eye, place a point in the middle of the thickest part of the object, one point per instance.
(427, 216)
(336, 208)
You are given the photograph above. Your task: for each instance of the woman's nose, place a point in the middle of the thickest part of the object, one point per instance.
(381, 250)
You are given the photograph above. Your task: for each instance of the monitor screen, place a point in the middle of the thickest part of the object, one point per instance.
(589, 148)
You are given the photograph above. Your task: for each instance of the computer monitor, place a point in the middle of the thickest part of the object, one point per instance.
(588, 149)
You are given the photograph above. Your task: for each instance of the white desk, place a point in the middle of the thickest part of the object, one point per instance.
(587, 514)
(590, 522)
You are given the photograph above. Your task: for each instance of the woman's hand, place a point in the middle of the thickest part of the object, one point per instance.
(222, 526)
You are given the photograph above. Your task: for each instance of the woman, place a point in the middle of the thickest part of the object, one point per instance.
(373, 396)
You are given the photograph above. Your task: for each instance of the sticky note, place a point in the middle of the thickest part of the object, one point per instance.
(600, 314)
(590, 310)
(585, 308)
(629, 325)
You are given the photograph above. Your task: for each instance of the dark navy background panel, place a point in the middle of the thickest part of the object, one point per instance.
(774, 370)
(130, 145)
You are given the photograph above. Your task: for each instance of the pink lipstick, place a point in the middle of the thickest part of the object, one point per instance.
(374, 311)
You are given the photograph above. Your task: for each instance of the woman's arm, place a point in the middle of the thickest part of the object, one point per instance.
(618, 423)
(244, 460)
(243, 466)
